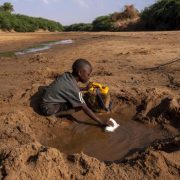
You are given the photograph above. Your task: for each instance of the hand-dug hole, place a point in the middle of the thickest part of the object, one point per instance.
(95, 142)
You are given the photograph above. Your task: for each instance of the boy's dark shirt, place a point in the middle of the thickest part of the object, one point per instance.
(64, 90)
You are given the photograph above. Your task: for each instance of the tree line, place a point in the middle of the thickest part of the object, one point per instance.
(23, 23)
(162, 15)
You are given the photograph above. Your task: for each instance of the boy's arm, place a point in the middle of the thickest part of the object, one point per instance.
(91, 114)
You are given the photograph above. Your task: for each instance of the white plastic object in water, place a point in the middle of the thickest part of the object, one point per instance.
(112, 128)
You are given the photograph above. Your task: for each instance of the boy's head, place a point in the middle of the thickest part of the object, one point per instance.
(82, 69)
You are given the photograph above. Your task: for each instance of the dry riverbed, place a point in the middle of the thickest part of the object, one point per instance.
(142, 70)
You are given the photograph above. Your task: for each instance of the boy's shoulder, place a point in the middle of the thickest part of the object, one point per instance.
(65, 76)
(67, 79)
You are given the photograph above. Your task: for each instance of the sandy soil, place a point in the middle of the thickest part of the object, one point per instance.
(142, 70)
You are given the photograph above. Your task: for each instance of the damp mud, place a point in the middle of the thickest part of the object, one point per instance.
(142, 71)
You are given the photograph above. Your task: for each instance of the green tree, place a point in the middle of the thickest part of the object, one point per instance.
(163, 15)
(102, 23)
(6, 21)
(6, 7)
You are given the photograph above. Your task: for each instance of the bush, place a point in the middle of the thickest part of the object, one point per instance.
(79, 27)
(163, 15)
(6, 21)
(103, 23)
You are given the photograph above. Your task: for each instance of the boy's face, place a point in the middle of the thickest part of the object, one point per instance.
(84, 74)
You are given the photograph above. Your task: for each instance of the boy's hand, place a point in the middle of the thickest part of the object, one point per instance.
(109, 123)
(89, 85)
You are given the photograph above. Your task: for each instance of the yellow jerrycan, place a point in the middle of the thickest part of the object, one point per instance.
(97, 97)
(103, 89)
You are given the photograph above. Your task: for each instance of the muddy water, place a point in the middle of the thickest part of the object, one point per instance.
(43, 47)
(94, 141)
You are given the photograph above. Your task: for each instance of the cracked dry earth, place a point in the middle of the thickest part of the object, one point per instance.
(142, 70)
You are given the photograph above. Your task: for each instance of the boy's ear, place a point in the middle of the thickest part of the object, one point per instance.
(79, 72)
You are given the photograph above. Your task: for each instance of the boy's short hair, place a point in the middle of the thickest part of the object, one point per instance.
(79, 64)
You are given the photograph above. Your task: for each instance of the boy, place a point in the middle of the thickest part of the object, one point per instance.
(63, 96)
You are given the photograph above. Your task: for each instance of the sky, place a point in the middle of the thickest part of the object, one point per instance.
(73, 11)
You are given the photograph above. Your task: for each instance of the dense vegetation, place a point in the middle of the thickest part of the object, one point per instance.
(106, 23)
(163, 15)
(22, 23)
(102, 23)
(79, 27)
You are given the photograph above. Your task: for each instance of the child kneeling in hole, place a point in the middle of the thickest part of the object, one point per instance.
(63, 96)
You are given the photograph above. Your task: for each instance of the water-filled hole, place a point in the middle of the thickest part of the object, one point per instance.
(72, 137)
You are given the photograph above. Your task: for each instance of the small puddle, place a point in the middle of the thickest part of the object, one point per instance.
(105, 146)
(43, 47)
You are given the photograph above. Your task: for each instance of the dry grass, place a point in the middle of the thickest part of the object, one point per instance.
(130, 12)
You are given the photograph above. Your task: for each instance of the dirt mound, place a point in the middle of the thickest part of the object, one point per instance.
(33, 161)
(160, 160)
(160, 108)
